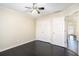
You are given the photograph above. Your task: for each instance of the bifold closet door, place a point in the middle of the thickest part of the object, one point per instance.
(43, 29)
(58, 33)
(51, 30)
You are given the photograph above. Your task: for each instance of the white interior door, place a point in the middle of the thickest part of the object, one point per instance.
(58, 34)
(51, 30)
(43, 30)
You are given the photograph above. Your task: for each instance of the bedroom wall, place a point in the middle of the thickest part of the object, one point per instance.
(15, 28)
(77, 26)
(74, 21)
(77, 30)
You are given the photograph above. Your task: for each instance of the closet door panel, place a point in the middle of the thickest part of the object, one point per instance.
(43, 30)
(58, 31)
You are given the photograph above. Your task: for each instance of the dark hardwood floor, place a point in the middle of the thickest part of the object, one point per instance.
(38, 48)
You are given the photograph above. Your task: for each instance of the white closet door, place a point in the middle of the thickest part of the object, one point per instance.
(43, 29)
(58, 37)
(51, 30)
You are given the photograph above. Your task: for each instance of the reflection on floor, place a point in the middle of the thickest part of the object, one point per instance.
(38, 48)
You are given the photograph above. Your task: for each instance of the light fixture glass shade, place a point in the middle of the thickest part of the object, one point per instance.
(34, 12)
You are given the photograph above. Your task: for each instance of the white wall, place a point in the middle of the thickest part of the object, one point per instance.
(77, 27)
(77, 30)
(15, 28)
(73, 23)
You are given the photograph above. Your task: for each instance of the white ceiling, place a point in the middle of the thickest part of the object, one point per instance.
(49, 7)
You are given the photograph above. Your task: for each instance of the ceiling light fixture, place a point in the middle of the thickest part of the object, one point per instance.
(34, 12)
(35, 9)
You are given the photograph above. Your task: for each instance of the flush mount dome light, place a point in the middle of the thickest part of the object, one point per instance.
(34, 12)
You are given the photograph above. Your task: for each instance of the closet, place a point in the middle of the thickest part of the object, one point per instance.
(51, 29)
